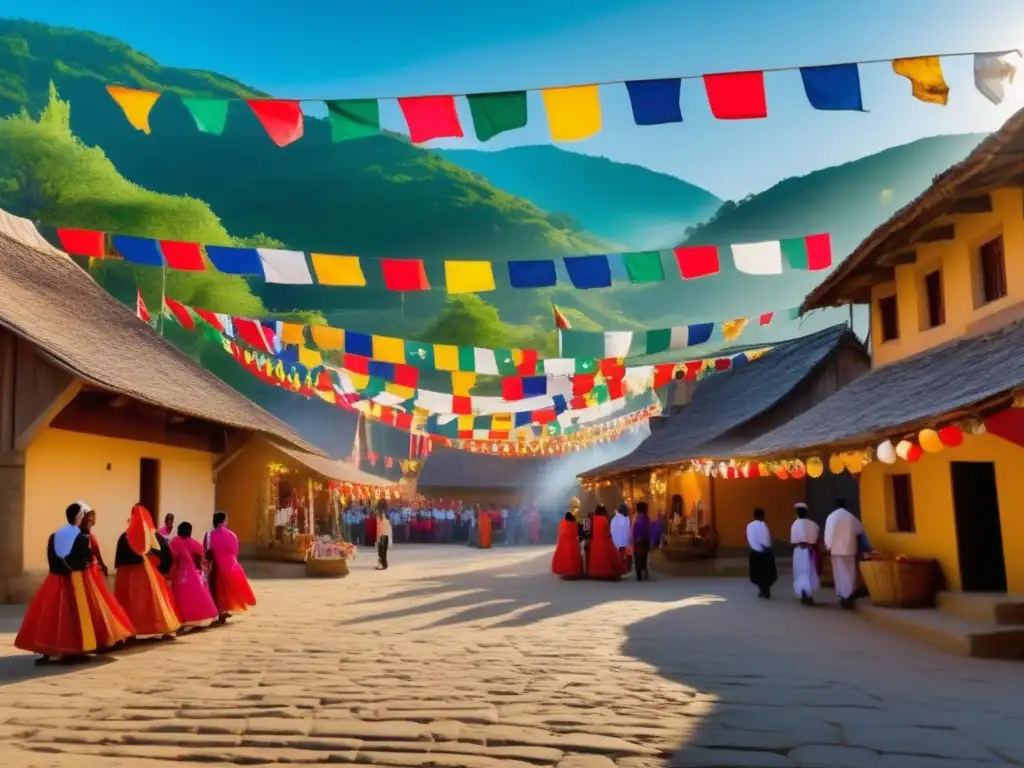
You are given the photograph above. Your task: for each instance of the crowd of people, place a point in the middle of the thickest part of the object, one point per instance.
(844, 542)
(165, 583)
(597, 547)
(435, 522)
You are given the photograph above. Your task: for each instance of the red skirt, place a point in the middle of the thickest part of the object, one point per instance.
(58, 621)
(143, 593)
(109, 619)
(232, 591)
(604, 561)
(567, 562)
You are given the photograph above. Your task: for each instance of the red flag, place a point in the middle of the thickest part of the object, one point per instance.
(512, 388)
(737, 95)
(697, 261)
(404, 275)
(210, 318)
(430, 117)
(183, 256)
(252, 333)
(281, 119)
(140, 307)
(766, 318)
(83, 242)
(181, 314)
(561, 321)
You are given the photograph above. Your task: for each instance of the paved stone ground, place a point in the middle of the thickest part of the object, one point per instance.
(464, 659)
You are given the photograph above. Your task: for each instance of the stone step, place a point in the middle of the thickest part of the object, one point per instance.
(949, 632)
(988, 607)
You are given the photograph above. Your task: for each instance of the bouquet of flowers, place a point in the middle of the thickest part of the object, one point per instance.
(326, 549)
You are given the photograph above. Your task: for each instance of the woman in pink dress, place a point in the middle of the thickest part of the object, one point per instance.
(231, 590)
(195, 603)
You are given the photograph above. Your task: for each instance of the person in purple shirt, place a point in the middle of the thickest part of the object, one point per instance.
(657, 531)
(641, 541)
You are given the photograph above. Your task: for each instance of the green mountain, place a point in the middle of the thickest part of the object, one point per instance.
(626, 204)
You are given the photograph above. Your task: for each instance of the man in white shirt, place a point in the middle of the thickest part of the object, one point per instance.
(383, 535)
(842, 538)
(763, 573)
(804, 538)
(395, 518)
(621, 530)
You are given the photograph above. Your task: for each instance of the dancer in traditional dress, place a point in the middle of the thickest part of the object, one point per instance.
(188, 583)
(58, 623)
(111, 621)
(763, 572)
(484, 529)
(842, 539)
(139, 585)
(806, 559)
(231, 590)
(567, 562)
(603, 559)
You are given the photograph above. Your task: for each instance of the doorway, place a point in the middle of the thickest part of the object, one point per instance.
(978, 531)
(149, 487)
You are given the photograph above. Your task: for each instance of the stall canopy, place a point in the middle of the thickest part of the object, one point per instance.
(334, 469)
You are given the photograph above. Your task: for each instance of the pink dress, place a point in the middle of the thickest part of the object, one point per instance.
(231, 590)
(195, 603)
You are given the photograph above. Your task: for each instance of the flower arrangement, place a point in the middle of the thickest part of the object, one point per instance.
(326, 549)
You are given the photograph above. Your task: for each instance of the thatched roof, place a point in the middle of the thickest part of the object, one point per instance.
(966, 374)
(48, 300)
(996, 162)
(452, 468)
(333, 469)
(728, 400)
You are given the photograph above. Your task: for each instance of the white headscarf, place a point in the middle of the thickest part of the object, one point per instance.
(64, 537)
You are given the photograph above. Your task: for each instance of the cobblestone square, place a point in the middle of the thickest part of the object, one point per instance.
(464, 659)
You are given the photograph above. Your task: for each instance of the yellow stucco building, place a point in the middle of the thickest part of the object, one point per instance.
(944, 278)
(94, 405)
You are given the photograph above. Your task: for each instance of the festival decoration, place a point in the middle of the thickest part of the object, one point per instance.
(886, 452)
(952, 436)
(574, 112)
(589, 271)
(815, 467)
(929, 441)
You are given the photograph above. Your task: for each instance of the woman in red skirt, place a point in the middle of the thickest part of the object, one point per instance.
(139, 586)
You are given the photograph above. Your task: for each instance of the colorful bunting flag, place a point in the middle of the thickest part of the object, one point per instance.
(758, 258)
(389, 349)
(731, 329)
(468, 276)
(404, 275)
(835, 87)
(284, 267)
(697, 261)
(737, 95)
(495, 113)
(353, 118)
(326, 337)
(186, 257)
(813, 252)
(338, 270)
(655, 102)
(574, 113)
(180, 313)
(135, 103)
(85, 242)
(588, 271)
(561, 321)
(993, 72)
(431, 117)
(644, 267)
(281, 118)
(209, 115)
(926, 79)
(140, 307)
(680, 337)
(235, 261)
(139, 250)
(538, 273)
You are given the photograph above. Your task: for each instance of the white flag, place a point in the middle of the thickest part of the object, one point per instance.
(286, 267)
(993, 72)
(758, 258)
(617, 343)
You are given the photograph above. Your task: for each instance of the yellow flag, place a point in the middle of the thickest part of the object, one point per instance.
(925, 76)
(400, 390)
(338, 270)
(573, 113)
(360, 381)
(446, 357)
(388, 350)
(310, 358)
(136, 104)
(291, 333)
(731, 329)
(465, 423)
(462, 382)
(326, 395)
(468, 276)
(326, 337)
(501, 422)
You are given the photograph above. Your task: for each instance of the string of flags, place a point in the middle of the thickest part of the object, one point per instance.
(286, 267)
(574, 112)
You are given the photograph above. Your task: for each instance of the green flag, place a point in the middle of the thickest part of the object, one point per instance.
(353, 118)
(211, 115)
(495, 113)
(644, 267)
(419, 354)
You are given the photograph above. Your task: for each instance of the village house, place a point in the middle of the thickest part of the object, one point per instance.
(94, 405)
(710, 511)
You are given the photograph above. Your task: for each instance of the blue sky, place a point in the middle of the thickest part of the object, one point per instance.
(357, 48)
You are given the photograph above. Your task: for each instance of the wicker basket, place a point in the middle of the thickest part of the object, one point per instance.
(900, 582)
(326, 567)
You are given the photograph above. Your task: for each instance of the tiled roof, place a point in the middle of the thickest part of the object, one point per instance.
(50, 301)
(452, 468)
(333, 469)
(727, 400)
(956, 376)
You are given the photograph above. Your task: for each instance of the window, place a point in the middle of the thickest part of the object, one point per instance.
(935, 310)
(992, 270)
(902, 504)
(149, 486)
(888, 317)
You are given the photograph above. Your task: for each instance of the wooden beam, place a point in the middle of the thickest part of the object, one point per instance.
(896, 259)
(973, 204)
(42, 421)
(937, 234)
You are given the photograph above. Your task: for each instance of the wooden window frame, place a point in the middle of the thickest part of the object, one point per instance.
(880, 302)
(990, 283)
(900, 495)
(933, 313)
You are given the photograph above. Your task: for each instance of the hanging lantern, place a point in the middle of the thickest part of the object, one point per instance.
(854, 462)
(798, 471)
(903, 449)
(929, 441)
(815, 467)
(973, 425)
(914, 453)
(886, 452)
(781, 472)
(836, 465)
(951, 436)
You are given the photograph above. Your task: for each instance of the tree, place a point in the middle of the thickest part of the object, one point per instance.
(466, 320)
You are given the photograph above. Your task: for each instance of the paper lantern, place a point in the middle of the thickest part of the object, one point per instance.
(781, 472)
(915, 453)
(732, 473)
(799, 471)
(763, 471)
(854, 462)
(815, 467)
(951, 436)
(974, 425)
(929, 441)
(836, 465)
(886, 452)
(903, 449)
